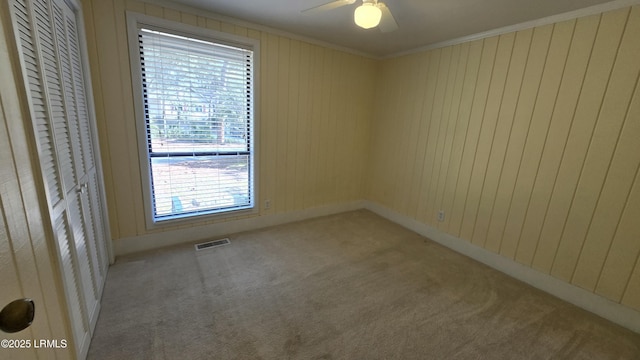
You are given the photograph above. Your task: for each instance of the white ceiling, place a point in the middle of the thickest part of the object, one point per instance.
(421, 22)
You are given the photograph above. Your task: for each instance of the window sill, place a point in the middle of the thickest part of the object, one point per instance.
(197, 220)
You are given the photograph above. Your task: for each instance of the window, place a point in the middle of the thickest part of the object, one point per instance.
(196, 120)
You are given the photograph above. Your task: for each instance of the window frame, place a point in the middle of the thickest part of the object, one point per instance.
(134, 22)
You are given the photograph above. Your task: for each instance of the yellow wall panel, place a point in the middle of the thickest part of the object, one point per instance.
(242, 31)
(315, 68)
(136, 6)
(525, 142)
(625, 246)
(189, 19)
(579, 204)
(323, 183)
(598, 70)
(537, 137)
(488, 116)
(436, 123)
(331, 164)
(452, 127)
(632, 294)
(292, 124)
(408, 124)
(202, 22)
(426, 118)
(305, 99)
(153, 10)
(536, 131)
(281, 125)
(397, 130)
(417, 143)
(459, 140)
(500, 140)
(480, 94)
(402, 96)
(170, 14)
(561, 122)
(269, 122)
(213, 24)
(538, 50)
(107, 66)
(404, 121)
(227, 27)
(613, 153)
(96, 82)
(445, 123)
(404, 93)
(379, 157)
(128, 112)
(302, 127)
(341, 173)
(13, 264)
(361, 129)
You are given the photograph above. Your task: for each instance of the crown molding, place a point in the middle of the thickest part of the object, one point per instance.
(259, 27)
(591, 10)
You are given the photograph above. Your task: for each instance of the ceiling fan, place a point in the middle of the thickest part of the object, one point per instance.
(370, 14)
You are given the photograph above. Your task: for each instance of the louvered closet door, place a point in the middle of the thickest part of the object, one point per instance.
(92, 262)
(92, 205)
(47, 36)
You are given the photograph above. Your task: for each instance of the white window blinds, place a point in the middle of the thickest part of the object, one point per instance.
(198, 107)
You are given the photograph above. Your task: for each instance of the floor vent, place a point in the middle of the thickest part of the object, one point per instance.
(212, 244)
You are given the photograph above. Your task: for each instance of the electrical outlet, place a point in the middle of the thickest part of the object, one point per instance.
(267, 204)
(441, 215)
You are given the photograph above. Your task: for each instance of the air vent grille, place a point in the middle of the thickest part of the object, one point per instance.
(212, 244)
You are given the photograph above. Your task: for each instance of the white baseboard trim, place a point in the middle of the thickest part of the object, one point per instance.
(152, 241)
(608, 309)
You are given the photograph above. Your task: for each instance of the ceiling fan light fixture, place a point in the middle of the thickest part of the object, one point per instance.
(367, 15)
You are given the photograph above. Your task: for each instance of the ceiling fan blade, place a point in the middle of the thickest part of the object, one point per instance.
(387, 22)
(329, 6)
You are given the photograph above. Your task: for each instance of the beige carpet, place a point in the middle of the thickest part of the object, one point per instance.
(348, 286)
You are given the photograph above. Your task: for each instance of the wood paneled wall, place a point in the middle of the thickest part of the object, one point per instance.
(26, 266)
(530, 144)
(314, 116)
(528, 141)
